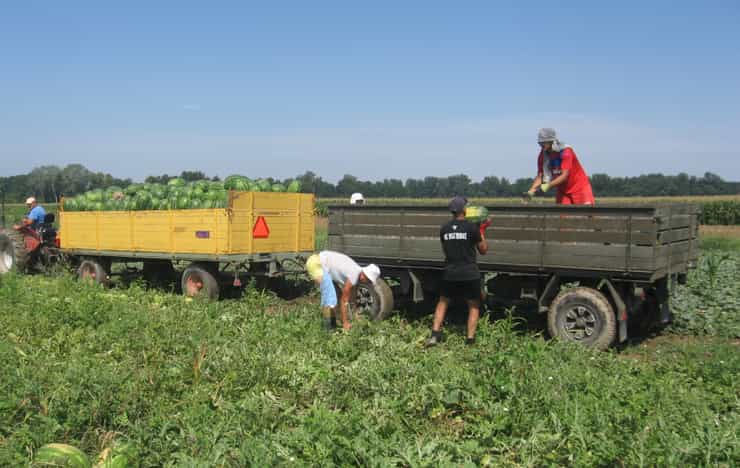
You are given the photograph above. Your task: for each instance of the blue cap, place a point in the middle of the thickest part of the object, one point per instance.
(457, 204)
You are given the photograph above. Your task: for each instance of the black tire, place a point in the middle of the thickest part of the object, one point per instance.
(92, 270)
(199, 280)
(158, 273)
(374, 301)
(13, 254)
(582, 315)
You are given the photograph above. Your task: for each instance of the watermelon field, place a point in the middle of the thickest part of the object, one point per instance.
(255, 381)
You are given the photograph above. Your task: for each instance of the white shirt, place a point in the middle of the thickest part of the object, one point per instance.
(340, 267)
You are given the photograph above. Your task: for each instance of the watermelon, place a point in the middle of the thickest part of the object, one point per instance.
(294, 186)
(158, 191)
(70, 204)
(265, 185)
(278, 188)
(61, 455)
(476, 214)
(202, 185)
(143, 201)
(132, 189)
(176, 182)
(216, 195)
(231, 181)
(216, 187)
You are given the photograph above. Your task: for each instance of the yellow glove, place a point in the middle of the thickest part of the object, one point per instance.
(545, 187)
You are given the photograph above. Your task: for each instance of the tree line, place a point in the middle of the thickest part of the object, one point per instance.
(47, 183)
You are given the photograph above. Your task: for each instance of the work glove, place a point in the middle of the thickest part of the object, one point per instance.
(545, 187)
(483, 226)
(527, 196)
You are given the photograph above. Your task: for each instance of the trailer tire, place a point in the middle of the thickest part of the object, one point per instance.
(92, 270)
(375, 301)
(582, 315)
(199, 280)
(13, 254)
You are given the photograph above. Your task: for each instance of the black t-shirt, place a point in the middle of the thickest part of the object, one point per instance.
(459, 239)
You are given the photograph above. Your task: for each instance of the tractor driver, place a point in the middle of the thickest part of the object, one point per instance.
(36, 213)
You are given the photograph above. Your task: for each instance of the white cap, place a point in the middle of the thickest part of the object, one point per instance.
(355, 198)
(30, 200)
(372, 272)
(546, 134)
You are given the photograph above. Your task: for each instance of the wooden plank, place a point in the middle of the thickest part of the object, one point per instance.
(673, 222)
(570, 235)
(677, 209)
(589, 262)
(675, 235)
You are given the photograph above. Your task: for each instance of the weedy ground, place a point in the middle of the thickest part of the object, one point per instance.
(256, 381)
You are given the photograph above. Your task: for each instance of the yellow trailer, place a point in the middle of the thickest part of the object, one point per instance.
(257, 232)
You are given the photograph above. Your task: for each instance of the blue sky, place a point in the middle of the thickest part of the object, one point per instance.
(378, 90)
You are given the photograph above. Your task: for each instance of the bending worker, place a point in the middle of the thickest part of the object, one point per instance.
(327, 268)
(558, 166)
(461, 278)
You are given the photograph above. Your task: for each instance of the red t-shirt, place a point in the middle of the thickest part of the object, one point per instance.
(566, 160)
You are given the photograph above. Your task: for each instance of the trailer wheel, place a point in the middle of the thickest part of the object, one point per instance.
(13, 254)
(582, 315)
(199, 280)
(93, 271)
(374, 301)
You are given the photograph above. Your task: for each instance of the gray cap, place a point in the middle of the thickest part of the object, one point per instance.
(546, 134)
(457, 204)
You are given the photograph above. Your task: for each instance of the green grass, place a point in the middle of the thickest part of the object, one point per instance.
(256, 381)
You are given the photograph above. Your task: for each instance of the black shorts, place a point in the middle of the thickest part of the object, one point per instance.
(469, 290)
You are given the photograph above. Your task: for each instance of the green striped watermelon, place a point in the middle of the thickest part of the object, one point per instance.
(476, 214)
(61, 455)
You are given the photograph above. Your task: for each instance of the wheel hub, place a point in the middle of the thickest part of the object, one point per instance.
(365, 300)
(194, 285)
(580, 322)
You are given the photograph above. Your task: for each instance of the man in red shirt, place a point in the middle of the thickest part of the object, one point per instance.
(558, 166)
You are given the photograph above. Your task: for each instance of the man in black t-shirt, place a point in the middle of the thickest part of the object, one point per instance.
(461, 279)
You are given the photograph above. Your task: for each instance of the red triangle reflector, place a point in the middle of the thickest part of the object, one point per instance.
(261, 230)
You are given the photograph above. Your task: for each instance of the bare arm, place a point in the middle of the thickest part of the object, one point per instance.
(561, 179)
(537, 182)
(482, 245)
(346, 294)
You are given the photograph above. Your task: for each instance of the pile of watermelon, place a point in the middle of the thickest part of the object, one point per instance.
(177, 194)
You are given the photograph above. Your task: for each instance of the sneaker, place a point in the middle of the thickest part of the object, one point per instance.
(469, 341)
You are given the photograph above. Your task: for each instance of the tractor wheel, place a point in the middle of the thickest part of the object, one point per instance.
(199, 280)
(582, 315)
(93, 271)
(13, 254)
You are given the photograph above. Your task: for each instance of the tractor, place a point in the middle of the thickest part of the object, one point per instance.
(29, 249)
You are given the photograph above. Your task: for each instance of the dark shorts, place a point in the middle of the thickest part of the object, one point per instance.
(468, 290)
